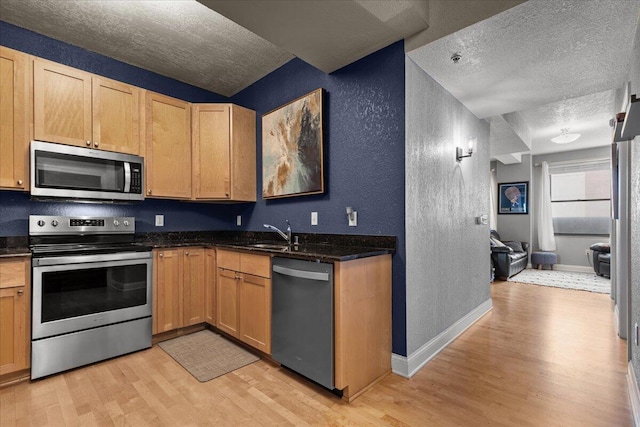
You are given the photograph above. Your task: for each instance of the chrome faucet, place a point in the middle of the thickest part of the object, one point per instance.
(287, 236)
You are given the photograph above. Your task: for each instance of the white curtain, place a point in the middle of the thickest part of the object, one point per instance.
(546, 239)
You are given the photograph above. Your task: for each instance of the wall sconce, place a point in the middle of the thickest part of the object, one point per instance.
(459, 152)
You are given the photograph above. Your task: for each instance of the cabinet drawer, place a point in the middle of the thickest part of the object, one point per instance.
(258, 265)
(228, 260)
(14, 273)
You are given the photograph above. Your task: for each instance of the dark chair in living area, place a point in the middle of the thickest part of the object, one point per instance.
(509, 258)
(601, 259)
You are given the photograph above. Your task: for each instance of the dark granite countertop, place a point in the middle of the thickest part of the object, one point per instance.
(14, 246)
(319, 247)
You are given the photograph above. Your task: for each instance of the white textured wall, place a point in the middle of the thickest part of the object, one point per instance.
(447, 253)
(634, 204)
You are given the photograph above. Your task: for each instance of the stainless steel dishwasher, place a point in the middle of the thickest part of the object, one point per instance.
(302, 318)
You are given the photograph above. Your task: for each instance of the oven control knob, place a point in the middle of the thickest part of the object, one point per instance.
(41, 223)
(126, 223)
(54, 223)
(116, 222)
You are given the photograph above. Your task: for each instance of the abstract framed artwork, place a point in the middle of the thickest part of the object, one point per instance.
(513, 198)
(292, 151)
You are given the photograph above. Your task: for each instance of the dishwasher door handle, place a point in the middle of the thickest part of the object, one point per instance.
(302, 274)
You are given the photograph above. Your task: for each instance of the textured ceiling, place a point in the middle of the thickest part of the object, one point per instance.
(180, 39)
(550, 64)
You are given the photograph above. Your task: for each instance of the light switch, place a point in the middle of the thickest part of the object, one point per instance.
(314, 218)
(159, 220)
(239, 220)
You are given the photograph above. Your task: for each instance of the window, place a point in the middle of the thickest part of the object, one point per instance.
(581, 197)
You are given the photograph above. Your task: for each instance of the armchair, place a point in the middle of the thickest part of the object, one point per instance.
(509, 258)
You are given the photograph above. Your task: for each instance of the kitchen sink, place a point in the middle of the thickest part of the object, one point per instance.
(272, 246)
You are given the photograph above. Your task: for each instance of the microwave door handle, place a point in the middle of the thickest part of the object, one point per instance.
(127, 177)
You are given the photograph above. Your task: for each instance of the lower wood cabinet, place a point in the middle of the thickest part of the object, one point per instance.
(15, 314)
(244, 297)
(179, 288)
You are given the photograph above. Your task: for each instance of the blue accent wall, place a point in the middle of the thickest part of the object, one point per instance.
(364, 133)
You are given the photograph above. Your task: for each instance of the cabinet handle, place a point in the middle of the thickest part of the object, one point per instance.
(186, 254)
(95, 144)
(19, 182)
(88, 143)
(149, 191)
(161, 255)
(20, 292)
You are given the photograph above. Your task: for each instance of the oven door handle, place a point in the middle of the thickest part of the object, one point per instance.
(83, 259)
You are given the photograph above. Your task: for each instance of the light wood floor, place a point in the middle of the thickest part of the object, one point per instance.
(541, 357)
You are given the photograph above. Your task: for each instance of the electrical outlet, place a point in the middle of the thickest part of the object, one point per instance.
(159, 220)
(314, 218)
(353, 219)
(239, 220)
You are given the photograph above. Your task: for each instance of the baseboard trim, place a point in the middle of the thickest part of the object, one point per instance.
(634, 393)
(573, 268)
(408, 366)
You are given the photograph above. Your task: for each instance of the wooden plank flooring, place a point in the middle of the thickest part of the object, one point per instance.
(541, 357)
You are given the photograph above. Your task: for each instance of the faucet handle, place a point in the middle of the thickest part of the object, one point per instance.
(288, 224)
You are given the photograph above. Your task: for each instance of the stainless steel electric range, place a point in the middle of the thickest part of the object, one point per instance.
(92, 291)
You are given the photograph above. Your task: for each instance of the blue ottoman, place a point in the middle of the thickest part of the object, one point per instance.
(543, 258)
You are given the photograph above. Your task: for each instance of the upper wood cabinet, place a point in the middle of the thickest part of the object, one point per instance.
(116, 116)
(168, 147)
(14, 122)
(224, 152)
(74, 107)
(15, 332)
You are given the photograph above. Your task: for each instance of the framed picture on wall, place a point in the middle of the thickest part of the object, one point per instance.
(292, 163)
(513, 198)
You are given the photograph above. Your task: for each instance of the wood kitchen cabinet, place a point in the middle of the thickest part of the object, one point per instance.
(178, 288)
(74, 107)
(244, 297)
(362, 316)
(224, 152)
(210, 273)
(14, 122)
(168, 147)
(15, 302)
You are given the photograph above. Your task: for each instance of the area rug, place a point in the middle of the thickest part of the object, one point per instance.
(207, 355)
(564, 279)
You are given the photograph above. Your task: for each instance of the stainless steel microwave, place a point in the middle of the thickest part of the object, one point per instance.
(70, 172)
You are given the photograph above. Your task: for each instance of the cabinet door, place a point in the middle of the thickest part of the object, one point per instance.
(167, 295)
(167, 146)
(116, 116)
(14, 315)
(211, 156)
(255, 312)
(61, 103)
(243, 154)
(14, 140)
(193, 287)
(227, 295)
(210, 286)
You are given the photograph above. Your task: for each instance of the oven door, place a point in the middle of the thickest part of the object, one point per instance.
(74, 293)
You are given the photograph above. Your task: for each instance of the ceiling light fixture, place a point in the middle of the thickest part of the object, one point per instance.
(565, 137)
